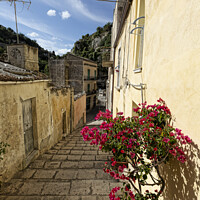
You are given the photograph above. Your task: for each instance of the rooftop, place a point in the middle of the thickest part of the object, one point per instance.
(82, 58)
(12, 73)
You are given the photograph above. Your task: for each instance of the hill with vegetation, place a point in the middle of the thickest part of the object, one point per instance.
(8, 36)
(94, 46)
(89, 46)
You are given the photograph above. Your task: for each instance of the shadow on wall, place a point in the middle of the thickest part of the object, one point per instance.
(183, 180)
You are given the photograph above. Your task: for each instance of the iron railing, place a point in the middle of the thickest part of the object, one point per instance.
(90, 78)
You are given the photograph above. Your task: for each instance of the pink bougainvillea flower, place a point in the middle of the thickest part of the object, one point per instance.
(188, 140)
(155, 149)
(114, 163)
(114, 150)
(151, 125)
(173, 152)
(182, 159)
(120, 113)
(116, 176)
(137, 137)
(166, 140)
(132, 154)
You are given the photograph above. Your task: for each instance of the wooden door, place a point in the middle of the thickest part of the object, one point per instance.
(28, 126)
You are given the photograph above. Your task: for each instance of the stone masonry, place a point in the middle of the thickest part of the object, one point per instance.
(71, 170)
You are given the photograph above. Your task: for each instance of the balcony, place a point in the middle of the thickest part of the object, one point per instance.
(91, 92)
(106, 62)
(90, 78)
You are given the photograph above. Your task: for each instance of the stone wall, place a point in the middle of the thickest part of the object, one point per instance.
(50, 111)
(23, 56)
(58, 70)
(75, 72)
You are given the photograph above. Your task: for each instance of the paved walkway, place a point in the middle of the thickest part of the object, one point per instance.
(71, 170)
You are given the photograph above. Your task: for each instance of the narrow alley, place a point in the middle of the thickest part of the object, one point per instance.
(72, 169)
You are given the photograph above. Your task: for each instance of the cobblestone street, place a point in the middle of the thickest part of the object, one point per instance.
(71, 170)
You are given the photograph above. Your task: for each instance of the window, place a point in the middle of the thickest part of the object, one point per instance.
(95, 74)
(139, 32)
(118, 68)
(88, 87)
(140, 49)
(88, 73)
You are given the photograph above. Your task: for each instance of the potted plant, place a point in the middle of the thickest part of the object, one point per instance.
(140, 145)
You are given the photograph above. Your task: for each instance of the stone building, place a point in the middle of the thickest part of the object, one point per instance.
(83, 77)
(59, 75)
(34, 116)
(156, 54)
(23, 56)
(59, 72)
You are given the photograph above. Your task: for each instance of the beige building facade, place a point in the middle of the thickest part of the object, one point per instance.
(33, 118)
(79, 110)
(90, 83)
(156, 54)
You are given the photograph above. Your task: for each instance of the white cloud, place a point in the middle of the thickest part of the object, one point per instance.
(26, 22)
(69, 46)
(46, 44)
(65, 15)
(62, 51)
(51, 13)
(81, 8)
(78, 8)
(33, 24)
(33, 34)
(52, 46)
(55, 38)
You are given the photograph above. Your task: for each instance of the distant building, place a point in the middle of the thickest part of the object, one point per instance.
(59, 72)
(34, 113)
(23, 56)
(83, 77)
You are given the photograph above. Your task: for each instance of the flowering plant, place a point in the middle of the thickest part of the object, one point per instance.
(139, 146)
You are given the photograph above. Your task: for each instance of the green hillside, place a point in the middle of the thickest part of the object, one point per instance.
(89, 46)
(94, 46)
(8, 36)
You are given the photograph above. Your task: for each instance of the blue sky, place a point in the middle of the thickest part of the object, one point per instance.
(57, 24)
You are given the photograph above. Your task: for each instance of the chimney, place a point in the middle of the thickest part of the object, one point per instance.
(23, 56)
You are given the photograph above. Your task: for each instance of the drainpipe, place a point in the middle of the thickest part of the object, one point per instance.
(113, 72)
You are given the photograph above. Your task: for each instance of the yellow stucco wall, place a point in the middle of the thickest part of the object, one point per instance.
(80, 111)
(124, 96)
(93, 85)
(47, 115)
(60, 103)
(171, 71)
(92, 67)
